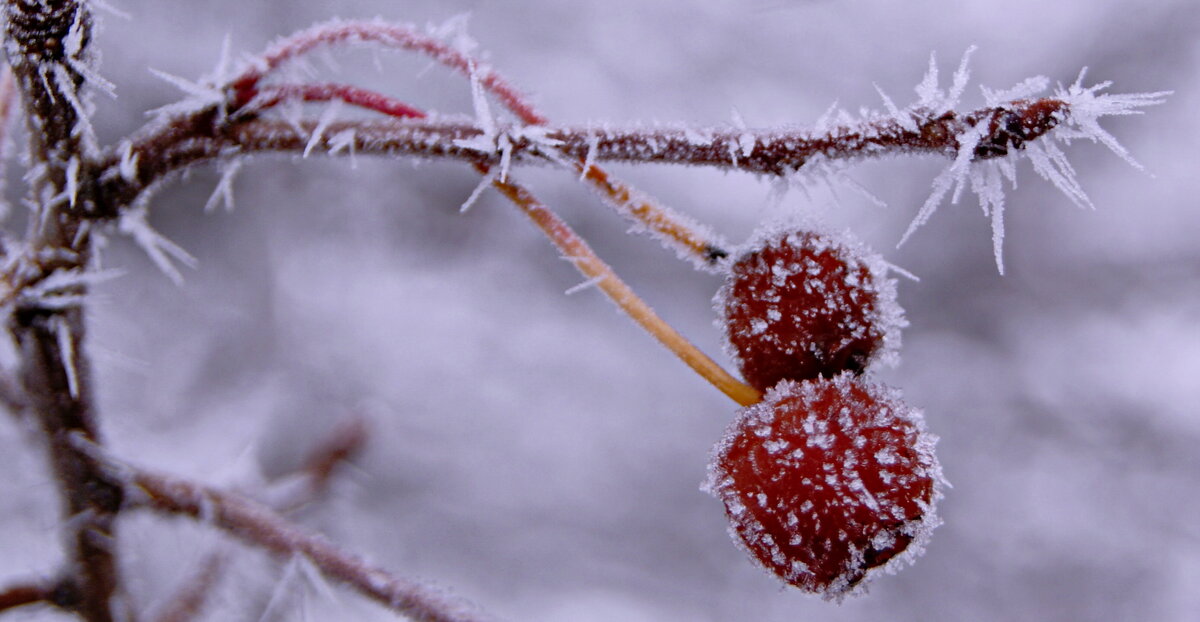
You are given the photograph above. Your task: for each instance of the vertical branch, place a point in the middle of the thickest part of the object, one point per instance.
(47, 43)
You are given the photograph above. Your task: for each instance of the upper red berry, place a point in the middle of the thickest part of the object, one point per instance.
(801, 304)
(827, 479)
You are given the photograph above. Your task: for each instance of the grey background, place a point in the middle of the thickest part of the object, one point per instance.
(535, 452)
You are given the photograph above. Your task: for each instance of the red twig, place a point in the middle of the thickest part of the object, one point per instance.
(273, 95)
(245, 86)
(688, 238)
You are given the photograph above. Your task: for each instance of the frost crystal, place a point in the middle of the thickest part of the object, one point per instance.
(162, 251)
(1069, 113)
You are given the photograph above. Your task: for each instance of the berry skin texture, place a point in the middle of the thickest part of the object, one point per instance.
(801, 304)
(827, 481)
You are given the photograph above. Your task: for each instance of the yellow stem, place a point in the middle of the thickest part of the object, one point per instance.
(587, 262)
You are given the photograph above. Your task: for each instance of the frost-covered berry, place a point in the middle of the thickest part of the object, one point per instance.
(801, 304)
(827, 479)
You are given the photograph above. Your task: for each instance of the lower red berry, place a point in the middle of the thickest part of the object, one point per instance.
(828, 479)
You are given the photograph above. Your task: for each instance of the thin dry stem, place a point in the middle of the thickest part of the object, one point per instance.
(189, 602)
(577, 251)
(346, 440)
(259, 526)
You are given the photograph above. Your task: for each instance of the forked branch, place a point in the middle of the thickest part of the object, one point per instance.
(260, 526)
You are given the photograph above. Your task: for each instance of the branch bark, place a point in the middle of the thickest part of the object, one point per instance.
(47, 50)
(259, 526)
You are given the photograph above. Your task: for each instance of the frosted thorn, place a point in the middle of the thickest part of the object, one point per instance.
(344, 141)
(223, 192)
(506, 149)
(902, 272)
(588, 284)
(953, 176)
(483, 184)
(961, 76)
(162, 251)
(66, 345)
(72, 180)
(194, 89)
(589, 160)
(222, 72)
(128, 163)
(483, 113)
(905, 120)
(327, 117)
(927, 90)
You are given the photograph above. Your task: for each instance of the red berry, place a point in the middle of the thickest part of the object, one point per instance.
(827, 479)
(802, 304)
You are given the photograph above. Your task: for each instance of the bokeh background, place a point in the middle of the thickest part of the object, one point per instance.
(533, 451)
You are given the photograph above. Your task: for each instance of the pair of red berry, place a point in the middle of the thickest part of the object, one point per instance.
(830, 476)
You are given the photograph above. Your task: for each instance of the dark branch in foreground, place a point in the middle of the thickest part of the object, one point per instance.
(47, 48)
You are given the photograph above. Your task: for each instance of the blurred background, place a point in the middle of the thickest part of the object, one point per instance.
(534, 452)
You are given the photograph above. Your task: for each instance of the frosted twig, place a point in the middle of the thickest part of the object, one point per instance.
(223, 191)
(343, 443)
(188, 603)
(691, 241)
(257, 525)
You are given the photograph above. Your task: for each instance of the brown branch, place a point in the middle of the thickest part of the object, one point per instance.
(199, 138)
(346, 440)
(188, 603)
(47, 50)
(259, 526)
(22, 594)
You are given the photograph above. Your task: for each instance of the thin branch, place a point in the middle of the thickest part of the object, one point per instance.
(577, 251)
(188, 603)
(259, 526)
(188, 141)
(690, 240)
(27, 593)
(345, 441)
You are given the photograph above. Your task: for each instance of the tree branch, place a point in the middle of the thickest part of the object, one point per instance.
(48, 51)
(259, 526)
(22, 594)
(190, 140)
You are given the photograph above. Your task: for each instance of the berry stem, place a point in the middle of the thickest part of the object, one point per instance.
(577, 251)
(569, 243)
